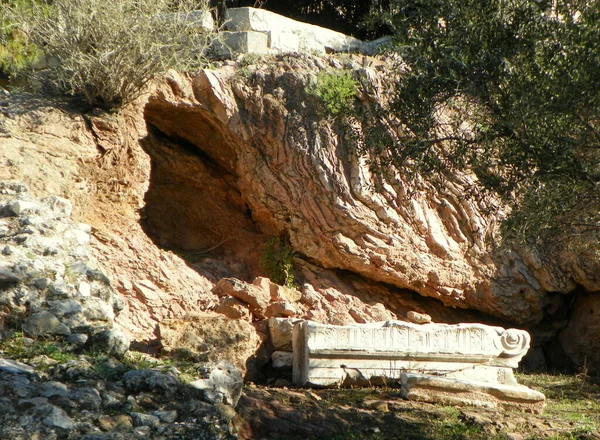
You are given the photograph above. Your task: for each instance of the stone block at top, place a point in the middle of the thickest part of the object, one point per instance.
(285, 34)
(240, 42)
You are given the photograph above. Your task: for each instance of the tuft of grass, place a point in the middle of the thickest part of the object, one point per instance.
(18, 347)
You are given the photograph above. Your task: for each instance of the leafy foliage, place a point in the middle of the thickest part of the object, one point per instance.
(16, 51)
(107, 52)
(509, 89)
(336, 91)
(277, 259)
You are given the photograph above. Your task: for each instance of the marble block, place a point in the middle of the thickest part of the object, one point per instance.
(329, 355)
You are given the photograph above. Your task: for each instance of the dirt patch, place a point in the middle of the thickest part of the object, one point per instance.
(380, 413)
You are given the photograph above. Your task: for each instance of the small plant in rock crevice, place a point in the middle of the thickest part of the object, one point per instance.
(335, 90)
(277, 260)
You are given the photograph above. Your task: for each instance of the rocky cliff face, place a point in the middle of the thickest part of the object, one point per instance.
(263, 163)
(211, 166)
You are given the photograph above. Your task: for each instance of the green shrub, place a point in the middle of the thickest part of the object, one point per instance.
(107, 52)
(335, 90)
(16, 51)
(276, 259)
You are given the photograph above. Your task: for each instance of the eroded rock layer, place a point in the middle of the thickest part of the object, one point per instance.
(282, 170)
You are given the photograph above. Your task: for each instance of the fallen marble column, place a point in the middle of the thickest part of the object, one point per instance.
(364, 354)
(426, 388)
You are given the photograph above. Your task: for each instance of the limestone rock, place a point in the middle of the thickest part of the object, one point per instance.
(222, 383)
(58, 418)
(7, 277)
(234, 308)
(211, 337)
(48, 271)
(19, 207)
(282, 359)
(8, 366)
(45, 323)
(150, 380)
(257, 298)
(113, 342)
(281, 308)
(418, 318)
(292, 181)
(580, 340)
(140, 419)
(280, 330)
(424, 388)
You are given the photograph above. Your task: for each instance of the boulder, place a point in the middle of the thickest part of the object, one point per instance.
(210, 337)
(257, 298)
(112, 341)
(44, 323)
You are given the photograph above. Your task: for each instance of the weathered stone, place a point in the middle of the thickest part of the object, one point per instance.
(58, 418)
(42, 283)
(141, 419)
(418, 318)
(282, 308)
(437, 389)
(223, 383)
(150, 292)
(78, 338)
(20, 386)
(96, 309)
(7, 277)
(86, 398)
(333, 355)
(113, 342)
(149, 380)
(282, 359)
(80, 234)
(58, 204)
(65, 307)
(120, 422)
(280, 330)
(53, 388)
(8, 366)
(73, 370)
(211, 337)
(256, 297)
(45, 323)
(20, 207)
(85, 290)
(166, 416)
(287, 35)
(277, 292)
(232, 43)
(234, 308)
